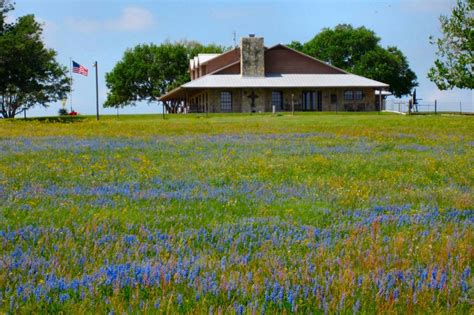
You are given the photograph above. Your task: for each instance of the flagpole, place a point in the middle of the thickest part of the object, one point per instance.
(97, 89)
(70, 74)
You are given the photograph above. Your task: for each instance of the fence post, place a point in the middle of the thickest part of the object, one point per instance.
(436, 107)
(460, 108)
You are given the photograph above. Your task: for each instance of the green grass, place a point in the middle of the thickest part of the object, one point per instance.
(310, 212)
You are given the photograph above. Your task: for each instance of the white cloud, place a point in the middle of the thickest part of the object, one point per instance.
(130, 19)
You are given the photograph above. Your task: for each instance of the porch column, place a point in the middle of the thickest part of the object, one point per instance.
(186, 100)
(380, 99)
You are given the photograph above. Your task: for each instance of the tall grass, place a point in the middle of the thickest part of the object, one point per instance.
(312, 213)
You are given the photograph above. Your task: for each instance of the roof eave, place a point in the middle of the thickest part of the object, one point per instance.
(167, 95)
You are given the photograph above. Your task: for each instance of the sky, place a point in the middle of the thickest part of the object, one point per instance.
(101, 30)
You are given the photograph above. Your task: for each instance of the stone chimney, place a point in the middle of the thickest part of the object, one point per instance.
(252, 61)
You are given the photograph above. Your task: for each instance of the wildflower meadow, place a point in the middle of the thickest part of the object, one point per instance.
(238, 214)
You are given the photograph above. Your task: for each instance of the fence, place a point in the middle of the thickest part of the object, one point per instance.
(434, 107)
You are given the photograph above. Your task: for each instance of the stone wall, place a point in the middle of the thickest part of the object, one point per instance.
(252, 52)
(241, 100)
(215, 100)
(366, 104)
(259, 101)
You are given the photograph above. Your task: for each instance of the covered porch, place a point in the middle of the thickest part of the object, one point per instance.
(248, 100)
(181, 100)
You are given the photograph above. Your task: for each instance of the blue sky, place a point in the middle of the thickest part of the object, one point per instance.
(103, 29)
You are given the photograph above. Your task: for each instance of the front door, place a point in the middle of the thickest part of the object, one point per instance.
(309, 100)
(312, 101)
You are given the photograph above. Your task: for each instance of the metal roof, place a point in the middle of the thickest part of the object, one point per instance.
(283, 81)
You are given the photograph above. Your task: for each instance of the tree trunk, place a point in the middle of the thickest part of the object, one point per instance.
(9, 109)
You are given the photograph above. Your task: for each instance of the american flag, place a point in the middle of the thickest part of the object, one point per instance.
(77, 68)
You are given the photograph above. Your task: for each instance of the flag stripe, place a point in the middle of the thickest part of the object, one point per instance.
(80, 69)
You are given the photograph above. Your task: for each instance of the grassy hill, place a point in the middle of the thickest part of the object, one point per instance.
(237, 214)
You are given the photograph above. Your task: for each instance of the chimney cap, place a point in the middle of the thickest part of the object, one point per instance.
(251, 35)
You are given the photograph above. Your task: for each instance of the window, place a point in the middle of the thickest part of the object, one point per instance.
(226, 102)
(348, 96)
(353, 95)
(333, 98)
(277, 99)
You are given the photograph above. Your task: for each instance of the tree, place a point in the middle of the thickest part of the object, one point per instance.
(296, 45)
(455, 64)
(357, 50)
(144, 73)
(5, 7)
(29, 73)
(387, 65)
(149, 71)
(193, 48)
(342, 46)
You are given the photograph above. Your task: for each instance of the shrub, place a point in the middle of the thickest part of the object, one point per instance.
(63, 112)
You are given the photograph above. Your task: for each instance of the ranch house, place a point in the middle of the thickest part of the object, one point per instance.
(254, 78)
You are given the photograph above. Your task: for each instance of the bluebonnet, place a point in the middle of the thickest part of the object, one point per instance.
(63, 297)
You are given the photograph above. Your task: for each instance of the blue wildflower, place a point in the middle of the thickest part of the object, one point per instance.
(356, 307)
(63, 297)
(396, 294)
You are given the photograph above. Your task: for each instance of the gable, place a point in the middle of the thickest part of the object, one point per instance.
(223, 60)
(281, 59)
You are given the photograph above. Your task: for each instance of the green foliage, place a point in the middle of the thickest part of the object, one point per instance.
(387, 65)
(144, 73)
(5, 7)
(148, 71)
(342, 46)
(455, 64)
(193, 48)
(358, 50)
(296, 45)
(29, 73)
(63, 112)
